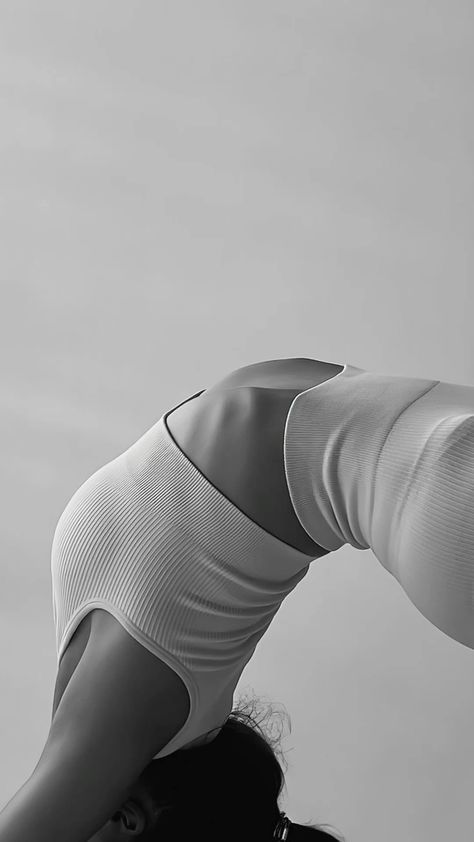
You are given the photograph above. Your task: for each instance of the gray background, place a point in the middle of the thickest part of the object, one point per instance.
(189, 187)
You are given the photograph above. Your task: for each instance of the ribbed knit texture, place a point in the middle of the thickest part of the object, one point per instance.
(378, 462)
(191, 577)
(387, 463)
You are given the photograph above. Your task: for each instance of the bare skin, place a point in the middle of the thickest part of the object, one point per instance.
(249, 468)
(135, 820)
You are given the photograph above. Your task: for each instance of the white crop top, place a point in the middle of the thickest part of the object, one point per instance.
(191, 577)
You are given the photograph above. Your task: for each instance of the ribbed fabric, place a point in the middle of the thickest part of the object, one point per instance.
(387, 463)
(378, 462)
(193, 579)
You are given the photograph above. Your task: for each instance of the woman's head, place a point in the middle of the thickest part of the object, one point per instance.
(228, 788)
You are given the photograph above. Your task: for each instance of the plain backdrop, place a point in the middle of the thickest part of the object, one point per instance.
(190, 187)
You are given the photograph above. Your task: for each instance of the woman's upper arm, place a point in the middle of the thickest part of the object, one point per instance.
(121, 692)
(121, 706)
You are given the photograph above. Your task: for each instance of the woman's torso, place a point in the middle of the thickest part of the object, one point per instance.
(233, 433)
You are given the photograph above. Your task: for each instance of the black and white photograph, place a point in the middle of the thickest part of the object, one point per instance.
(236, 421)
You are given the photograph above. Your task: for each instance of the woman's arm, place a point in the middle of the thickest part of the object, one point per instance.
(120, 708)
(69, 796)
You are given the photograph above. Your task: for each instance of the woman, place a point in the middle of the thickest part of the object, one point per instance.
(170, 562)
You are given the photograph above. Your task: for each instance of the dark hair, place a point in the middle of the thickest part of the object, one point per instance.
(226, 789)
